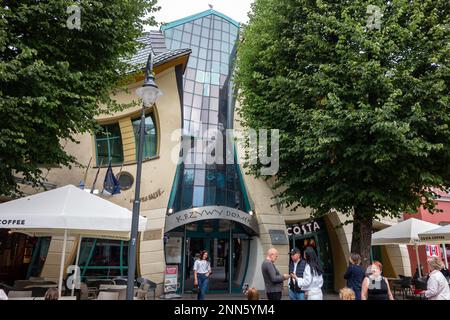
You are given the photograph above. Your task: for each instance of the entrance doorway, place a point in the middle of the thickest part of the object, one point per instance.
(21, 256)
(228, 246)
(218, 249)
(304, 235)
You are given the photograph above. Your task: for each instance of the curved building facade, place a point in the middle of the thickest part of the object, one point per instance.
(194, 193)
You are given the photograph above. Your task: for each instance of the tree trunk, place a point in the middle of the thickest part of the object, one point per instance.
(362, 235)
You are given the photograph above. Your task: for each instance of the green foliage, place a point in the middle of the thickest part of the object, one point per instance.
(363, 114)
(53, 79)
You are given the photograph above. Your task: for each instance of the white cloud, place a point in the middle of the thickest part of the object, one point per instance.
(172, 10)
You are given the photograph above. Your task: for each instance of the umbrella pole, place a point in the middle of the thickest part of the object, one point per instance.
(418, 261)
(445, 256)
(61, 268)
(76, 266)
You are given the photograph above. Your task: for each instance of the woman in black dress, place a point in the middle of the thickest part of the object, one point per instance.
(375, 286)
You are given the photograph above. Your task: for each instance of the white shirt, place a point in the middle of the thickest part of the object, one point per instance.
(437, 287)
(202, 266)
(310, 282)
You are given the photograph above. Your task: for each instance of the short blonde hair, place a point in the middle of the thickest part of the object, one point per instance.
(346, 294)
(435, 263)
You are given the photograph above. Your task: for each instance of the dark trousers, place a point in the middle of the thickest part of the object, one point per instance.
(357, 293)
(274, 295)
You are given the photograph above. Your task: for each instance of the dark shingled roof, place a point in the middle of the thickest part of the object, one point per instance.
(155, 43)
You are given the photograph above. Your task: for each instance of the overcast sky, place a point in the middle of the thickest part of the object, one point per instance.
(175, 9)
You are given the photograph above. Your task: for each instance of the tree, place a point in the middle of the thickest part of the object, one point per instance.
(55, 75)
(363, 113)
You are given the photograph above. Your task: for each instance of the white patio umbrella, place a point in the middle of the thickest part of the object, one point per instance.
(440, 235)
(67, 210)
(405, 232)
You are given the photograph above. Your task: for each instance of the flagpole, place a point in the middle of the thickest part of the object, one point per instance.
(109, 167)
(87, 169)
(96, 176)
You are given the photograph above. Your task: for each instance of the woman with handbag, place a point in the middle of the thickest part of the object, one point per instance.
(202, 271)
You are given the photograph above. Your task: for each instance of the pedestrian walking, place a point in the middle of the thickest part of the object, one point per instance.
(273, 279)
(375, 286)
(312, 280)
(355, 275)
(202, 271)
(437, 285)
(297, 266)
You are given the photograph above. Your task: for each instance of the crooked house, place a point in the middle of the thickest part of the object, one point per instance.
(191, 205)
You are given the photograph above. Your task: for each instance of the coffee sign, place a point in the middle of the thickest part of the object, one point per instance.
(301, 229)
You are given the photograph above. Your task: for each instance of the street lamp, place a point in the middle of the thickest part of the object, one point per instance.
(149, 92)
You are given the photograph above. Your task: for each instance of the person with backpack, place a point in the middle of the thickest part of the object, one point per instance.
(355, 275)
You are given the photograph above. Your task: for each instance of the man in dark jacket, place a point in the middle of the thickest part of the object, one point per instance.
(355, 275)
(296, 266)
(273, 279)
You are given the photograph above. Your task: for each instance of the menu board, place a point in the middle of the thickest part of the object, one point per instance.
(171, 279)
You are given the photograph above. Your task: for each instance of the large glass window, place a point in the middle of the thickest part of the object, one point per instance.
(150, 139)
(109, 145)
(103, 259)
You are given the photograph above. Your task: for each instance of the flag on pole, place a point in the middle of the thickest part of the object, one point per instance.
(111, 185)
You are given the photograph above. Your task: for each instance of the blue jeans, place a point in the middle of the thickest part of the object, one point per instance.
(203, 282)
(296, 295)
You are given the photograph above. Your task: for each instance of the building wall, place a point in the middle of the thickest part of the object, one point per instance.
(157, 177)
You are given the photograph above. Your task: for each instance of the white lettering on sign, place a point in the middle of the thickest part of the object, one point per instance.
(300, 229)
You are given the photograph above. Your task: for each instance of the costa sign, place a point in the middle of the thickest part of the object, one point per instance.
(301, 229)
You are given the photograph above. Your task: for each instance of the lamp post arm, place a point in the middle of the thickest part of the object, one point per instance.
(149, 67)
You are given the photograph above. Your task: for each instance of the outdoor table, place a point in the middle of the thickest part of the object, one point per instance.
(49, 285)
(394, 284)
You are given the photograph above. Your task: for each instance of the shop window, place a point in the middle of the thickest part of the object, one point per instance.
(150, 138)
(39, 255)
(108, 143)
(103, 259)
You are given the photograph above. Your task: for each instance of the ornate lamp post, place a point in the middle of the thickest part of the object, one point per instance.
(149, 92)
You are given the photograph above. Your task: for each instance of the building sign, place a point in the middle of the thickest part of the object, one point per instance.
(303, 229)
(152, 235)
(151, 196)
(173, 250)
(12, 222)
(210, 212)
(278, 237)
(171, 279)
(433, 251)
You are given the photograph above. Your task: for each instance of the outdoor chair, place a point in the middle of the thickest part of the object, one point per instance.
(420, 285)
(20, 294)
(104, 295)
(149, 286)
(120, 281)
(406, 287)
